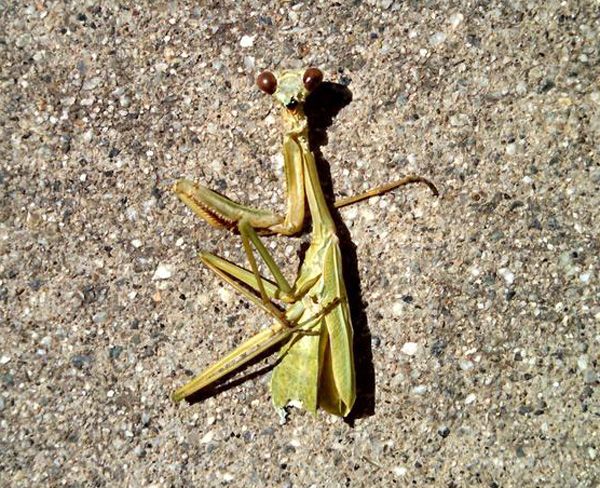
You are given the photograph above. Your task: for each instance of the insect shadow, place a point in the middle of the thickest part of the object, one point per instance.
(321, 107)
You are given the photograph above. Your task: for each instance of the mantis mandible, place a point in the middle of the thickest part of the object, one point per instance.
(316, 364)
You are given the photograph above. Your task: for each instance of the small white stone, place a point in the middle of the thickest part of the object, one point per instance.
(585, 277)
(419, 389)
(367, 215)
(410, 348)
(582, 362)
(456, 19)
(471, 397)
(508, 275)
(225, 295)
(398, 309)
(399, 470)
(528, 180)
(160, 67)
(4, 359)
(437, 38)
(136, 243)
(351, 213)
(465, 364)
(247, 41)
(249, 63)
(91, 83)
(511, 149)
(459, 120)
(163, 272)
(207, 438)
(228, 477)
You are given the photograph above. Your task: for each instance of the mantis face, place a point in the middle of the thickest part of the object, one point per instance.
(290, 87)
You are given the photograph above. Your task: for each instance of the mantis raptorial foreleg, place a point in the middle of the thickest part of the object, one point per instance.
(222, 212)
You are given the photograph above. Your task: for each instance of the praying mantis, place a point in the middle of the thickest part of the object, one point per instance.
(311, 317)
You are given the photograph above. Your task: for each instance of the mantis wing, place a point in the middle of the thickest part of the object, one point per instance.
(317, 366)
(296, 377)
(337, 388)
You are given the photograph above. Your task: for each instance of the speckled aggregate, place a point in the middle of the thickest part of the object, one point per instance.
(482, 306)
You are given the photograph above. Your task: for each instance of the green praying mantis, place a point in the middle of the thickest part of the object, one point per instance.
(311, 317)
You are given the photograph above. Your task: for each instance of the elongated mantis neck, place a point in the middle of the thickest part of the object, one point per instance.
(297, 129)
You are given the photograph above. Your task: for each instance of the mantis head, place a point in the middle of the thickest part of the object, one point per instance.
(290, 87)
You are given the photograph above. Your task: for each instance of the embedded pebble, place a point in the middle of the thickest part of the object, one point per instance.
(91, 83)
(437, 38)
(590, 376)
(466, 365)
(410, 348)
(470, 398)
(208, 437)
(247, 41)
(163, 272)
(511, 149)
(99, 317)
(398, 309)
(507, 275)
(456, 19)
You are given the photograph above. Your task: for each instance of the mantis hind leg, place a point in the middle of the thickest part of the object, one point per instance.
(380, 190)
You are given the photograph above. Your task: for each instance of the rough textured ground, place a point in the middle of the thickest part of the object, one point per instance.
(480, 308)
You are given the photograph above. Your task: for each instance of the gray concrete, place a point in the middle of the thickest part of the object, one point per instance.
(481, 306)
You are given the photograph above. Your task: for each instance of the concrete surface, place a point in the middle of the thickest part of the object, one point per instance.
(480, 309)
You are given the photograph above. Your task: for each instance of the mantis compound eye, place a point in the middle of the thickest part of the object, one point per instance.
(312, 78)
(267, 82)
